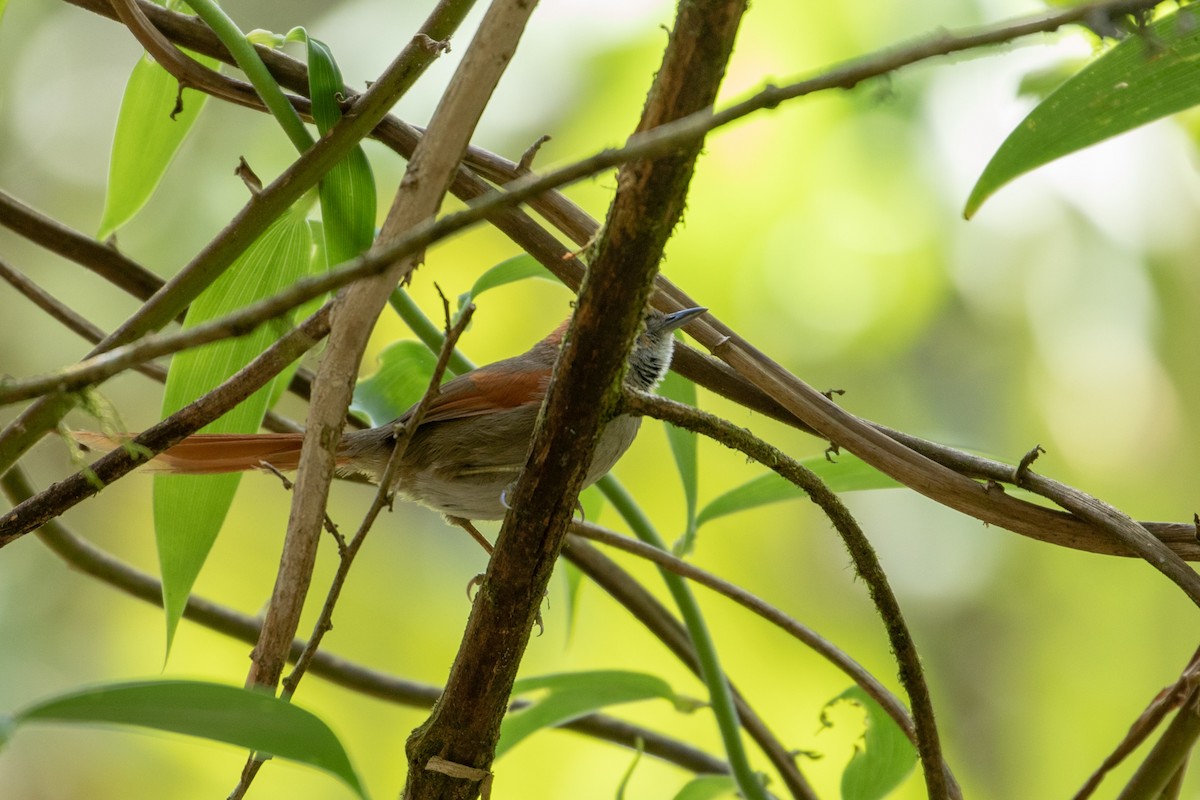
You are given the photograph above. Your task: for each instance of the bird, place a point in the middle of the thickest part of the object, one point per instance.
(471, 444)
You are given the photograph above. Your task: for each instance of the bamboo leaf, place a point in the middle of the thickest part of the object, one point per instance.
(576, 694)
(517, 268)
(348, 190)
(402, 377)
(147, 137)
(189, 509)
(1145, 77)
(847, 474)
(707, 787)
(228, 714)
(885, 757)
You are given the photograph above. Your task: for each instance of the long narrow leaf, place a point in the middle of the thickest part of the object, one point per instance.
(1146, 77)
(885, 757)
(347, 190)
(573, 695)
(147, 138)
(229, 714)
(517, 268)
(189, 509)
(847, 474)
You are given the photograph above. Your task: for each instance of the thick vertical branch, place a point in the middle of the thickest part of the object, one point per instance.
(450, 755)
(418, 198)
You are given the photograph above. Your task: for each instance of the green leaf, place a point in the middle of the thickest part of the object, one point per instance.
(316, 265)
(146, 138)
(683, 447)
(847, 474)
(707, 787)
(885, 757)
(348, 190)
(576, 694)
(1145, 77)
(189, 509)
(229, 714)
(403, 375)
(517, 268)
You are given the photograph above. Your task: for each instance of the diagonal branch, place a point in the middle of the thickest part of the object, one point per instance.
(939, 781)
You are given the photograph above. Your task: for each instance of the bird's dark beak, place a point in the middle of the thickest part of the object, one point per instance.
(677, 319)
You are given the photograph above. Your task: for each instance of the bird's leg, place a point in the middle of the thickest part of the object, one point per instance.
(470, 528)
(330, 526)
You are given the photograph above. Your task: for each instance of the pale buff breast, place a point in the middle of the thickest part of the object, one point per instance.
(470, 482)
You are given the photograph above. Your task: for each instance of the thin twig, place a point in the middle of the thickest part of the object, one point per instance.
(382, 497)
(64, 314)
(655, 617)
(1169, 755)
(937, 774)
(105, 261)
(111, 362)
(1172, 698)
(826, 649)
(418, 197)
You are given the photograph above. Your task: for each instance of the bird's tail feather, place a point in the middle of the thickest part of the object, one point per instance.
(212, 453)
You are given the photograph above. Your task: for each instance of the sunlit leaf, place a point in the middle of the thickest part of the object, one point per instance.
(517, 268)
(146, 139)
(885, 756)
(847, 473)
(189, 509)
(683, 448)
(576, 694)
(403, 376)
(1145, 77)
(708, 787)
(229, 714)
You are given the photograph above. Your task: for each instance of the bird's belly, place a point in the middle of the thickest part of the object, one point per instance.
(460, 485)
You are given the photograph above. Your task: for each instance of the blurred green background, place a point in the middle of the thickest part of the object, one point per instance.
(829, 232)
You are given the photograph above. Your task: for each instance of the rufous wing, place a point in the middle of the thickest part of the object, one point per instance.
(496, 387)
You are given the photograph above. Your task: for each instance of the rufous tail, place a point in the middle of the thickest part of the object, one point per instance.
(211, 453)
